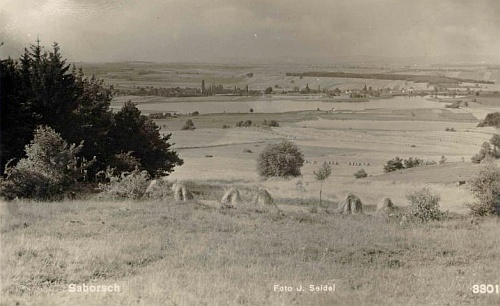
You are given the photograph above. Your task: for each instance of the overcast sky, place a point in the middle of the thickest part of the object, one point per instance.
(214, 30)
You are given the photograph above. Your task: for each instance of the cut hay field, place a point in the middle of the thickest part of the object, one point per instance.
(168, 253)
(366, 138)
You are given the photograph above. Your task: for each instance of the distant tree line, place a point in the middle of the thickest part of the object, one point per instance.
(384, 76)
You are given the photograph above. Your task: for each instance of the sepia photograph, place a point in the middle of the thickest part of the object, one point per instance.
(249, 152)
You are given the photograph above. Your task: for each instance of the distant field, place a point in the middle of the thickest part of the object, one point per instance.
(127, 75)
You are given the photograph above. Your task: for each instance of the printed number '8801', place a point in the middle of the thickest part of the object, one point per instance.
(482, 289)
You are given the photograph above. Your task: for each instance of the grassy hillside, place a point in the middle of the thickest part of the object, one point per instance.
(167, 253)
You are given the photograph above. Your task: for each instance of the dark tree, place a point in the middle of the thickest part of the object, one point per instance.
(41, 89)
(139, 135)
(495, 142)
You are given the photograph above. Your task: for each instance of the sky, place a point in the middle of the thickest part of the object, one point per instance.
(229, 30)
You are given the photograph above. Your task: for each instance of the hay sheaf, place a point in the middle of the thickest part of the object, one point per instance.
(181, 193)
(385, 208)
(231, 198)
(151, 188)
(351, 205)
(158, 189)
(263, 197)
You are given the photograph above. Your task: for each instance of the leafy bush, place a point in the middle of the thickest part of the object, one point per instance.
(394, 164)
(160, 115)
(360, 174)
(412, 162)
(130, 185)
(246, 123)
(424, 205)
(271, 123)
(485, 186)
(485, 152)
(50, 168)
(189, 125)
(397, 163)
(280, 160)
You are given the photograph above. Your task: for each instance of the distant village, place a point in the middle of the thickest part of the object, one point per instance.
(365, 92)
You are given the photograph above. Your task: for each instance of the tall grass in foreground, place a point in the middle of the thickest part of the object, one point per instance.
(162, 252)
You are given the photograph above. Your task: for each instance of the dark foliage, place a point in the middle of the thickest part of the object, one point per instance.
(138, 134)
(41, 89)
(492, 119)
(397, 163)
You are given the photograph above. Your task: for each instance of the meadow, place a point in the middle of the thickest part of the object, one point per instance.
(163, 252)
(168, 253)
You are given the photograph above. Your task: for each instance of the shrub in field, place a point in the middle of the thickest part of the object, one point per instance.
(271, 123)
(412, 162)
(485, 151)
(50, 168)
(280, 160)
(485, 186)
(424, 205)
(189, 125)
(394, 164)
(246, 123)
(397, 163)
(131, 185)
(495, 142)
(360, 174)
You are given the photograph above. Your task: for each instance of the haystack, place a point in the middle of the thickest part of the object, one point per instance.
(351, 205)
(181, 193)
(231, 197)
(385, 209)
(151, 188)
(263, 197)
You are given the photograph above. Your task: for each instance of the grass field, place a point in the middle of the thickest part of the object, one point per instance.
(168, 253)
